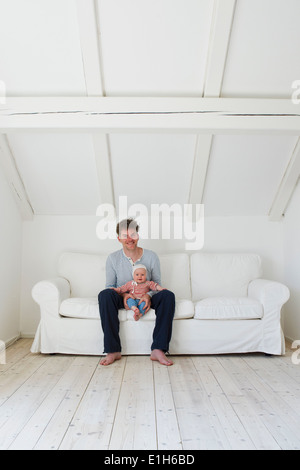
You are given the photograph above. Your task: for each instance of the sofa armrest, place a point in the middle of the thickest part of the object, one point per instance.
(269, 293)
(50, 293)
(273, 295)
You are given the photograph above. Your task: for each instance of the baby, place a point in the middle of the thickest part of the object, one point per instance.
(138, 287)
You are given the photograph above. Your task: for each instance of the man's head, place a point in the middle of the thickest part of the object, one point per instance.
(127, 231)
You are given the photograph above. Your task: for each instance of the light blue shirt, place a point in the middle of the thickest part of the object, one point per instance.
(119, 268)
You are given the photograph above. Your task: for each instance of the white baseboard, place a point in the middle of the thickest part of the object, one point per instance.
(12, 340)
(289, 340)
(27, 335)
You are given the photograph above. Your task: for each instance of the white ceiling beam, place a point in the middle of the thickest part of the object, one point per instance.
(219, 43)
(92, 65)
(287, 186)
(186, 115)
(90, 47)
(103, 165)
(14, 180)
(201, 160)
(221, 26)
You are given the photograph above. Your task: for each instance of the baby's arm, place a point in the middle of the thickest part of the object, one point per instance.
(122, 289)
(117, 289)
(155, 286)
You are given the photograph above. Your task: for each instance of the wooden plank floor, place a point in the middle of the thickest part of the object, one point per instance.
(202, 402)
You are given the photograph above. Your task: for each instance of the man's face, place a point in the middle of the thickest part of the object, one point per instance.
(129, 239)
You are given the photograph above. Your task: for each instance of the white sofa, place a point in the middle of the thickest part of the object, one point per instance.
(222, 306)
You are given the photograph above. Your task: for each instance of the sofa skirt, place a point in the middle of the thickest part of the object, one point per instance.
(190, 336)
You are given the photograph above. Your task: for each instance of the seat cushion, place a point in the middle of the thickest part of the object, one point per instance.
(84, 307)
(228, 308)
(87, 307)
(183, 309)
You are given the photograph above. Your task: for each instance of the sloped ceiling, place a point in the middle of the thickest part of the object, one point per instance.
(150, 48)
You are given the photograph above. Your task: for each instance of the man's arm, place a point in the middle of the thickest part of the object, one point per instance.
(155, 276)
(155, 273)
(111, 280)
(111, 276)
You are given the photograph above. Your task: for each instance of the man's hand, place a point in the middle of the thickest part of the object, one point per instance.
(147, 299)
(125, 298)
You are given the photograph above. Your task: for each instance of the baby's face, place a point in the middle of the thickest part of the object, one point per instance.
(140, 275)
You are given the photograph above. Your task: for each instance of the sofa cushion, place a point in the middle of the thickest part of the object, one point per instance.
(84, 307)
(183, 309)
(85, 272)
(223, 275)
(175, 274)
(88, 308)
(222, 308)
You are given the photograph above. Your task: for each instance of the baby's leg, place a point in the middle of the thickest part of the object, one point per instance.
(141, 308)
(132, 304)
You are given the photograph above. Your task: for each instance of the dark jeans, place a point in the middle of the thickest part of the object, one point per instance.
(109, 304)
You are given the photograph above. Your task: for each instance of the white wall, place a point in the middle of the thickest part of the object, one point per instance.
(45, 238)
(292, 266)
(10, 263)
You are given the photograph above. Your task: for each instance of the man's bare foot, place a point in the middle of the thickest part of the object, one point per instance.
(110, 358)
(158, 355)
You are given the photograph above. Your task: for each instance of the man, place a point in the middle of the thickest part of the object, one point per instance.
(119, 271)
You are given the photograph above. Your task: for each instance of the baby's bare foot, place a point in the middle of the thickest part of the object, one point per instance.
(137, 314)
